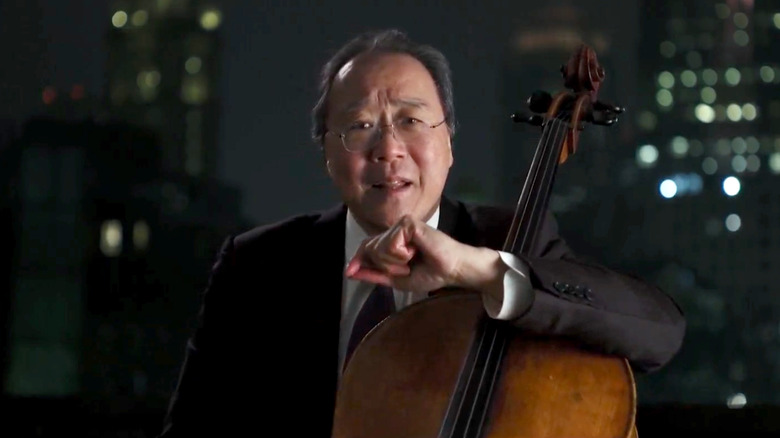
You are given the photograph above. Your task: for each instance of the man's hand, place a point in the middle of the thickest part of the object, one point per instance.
(415, 257)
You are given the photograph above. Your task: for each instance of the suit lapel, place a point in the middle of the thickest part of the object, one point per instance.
(455, 221)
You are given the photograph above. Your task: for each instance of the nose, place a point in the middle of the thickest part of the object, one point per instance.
(387, 146)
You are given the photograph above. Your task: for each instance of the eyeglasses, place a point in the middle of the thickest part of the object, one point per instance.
(362, 136)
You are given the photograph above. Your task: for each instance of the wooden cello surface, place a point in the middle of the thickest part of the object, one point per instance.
(400, 380)
(442, 368)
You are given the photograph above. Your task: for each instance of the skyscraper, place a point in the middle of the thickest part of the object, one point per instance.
(706, 179)
(161, 73)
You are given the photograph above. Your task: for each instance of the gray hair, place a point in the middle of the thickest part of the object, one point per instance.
(389, 41)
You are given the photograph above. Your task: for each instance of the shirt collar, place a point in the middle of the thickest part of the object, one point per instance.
(355, 235)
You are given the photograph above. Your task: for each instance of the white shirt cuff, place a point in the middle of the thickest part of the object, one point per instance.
(518, 293)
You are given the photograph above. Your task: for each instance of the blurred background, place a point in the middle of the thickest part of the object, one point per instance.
(135, 135)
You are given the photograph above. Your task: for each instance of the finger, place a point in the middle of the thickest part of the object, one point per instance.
(362, 261)
(400, 241)
(372, 276)
(356, 262)
(423, 238)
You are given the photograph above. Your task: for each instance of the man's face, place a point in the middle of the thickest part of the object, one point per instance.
(392, 177)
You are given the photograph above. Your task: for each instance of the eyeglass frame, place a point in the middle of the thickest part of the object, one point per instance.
(342, 135)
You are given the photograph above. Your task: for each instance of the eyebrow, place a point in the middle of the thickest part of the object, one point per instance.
(405, 102)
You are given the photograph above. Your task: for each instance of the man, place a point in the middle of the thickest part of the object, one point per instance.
(282, 299)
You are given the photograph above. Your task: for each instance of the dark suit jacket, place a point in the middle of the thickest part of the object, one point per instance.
(264, 355)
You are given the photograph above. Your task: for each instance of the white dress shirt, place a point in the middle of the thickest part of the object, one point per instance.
(517, 288)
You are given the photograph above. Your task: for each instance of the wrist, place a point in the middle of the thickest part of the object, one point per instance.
(482, 270)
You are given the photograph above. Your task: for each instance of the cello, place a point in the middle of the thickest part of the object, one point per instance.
(443, 368)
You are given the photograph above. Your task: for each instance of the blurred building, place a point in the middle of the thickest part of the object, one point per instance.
(705, 179)
(117, 216)
(162, 70)
(686, 195)
(106, 245)
(706, 161)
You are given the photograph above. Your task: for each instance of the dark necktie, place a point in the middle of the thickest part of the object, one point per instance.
(379, 305)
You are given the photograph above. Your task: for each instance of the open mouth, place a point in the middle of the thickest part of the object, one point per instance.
(395, 184)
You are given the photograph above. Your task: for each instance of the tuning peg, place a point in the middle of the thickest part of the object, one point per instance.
(605, 118)
(539, 101)
(608, 107)
(531, 119)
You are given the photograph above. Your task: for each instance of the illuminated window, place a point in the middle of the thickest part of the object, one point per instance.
(709, 76)
(111, 238)
(667, 188)
(753, 145)
(708, 95)
(736, 401)
(704, 113)
(147, 81)
(739, 145)
(140, 235)
(688, 78)
(732, 76)
(666, 79)
(734, 112)
(193, 65)
(667, 49)
(210, 19)
(739, 163)
(774, 162)
(139, 18)
(194, 90)
(709, 165)
(687, 183)
(767, 73)
(733, 222)
(741, 38)
(753, 163)
(731, 186)
(679, 146)
(646, 155)
(664, 98)
(741, 20)
(119, 19)
(749, 111)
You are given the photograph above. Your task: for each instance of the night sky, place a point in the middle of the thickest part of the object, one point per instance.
(271, 55)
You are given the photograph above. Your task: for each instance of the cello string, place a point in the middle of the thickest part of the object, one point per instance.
(540, 172)
(498, 339)
(522, 204)
(548, 157)
(549, 170)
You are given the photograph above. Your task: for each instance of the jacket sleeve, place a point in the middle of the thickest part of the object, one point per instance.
(199, 403)
(609, 311)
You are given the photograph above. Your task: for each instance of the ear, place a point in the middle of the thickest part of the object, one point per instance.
(328, 168)
(452, 157)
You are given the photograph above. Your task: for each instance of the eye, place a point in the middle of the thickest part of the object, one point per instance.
(359, 126)
(409, 121)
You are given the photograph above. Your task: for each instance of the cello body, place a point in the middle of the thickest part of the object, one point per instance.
(546, 387)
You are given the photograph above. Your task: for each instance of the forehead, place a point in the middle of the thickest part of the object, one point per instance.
(380, 78)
